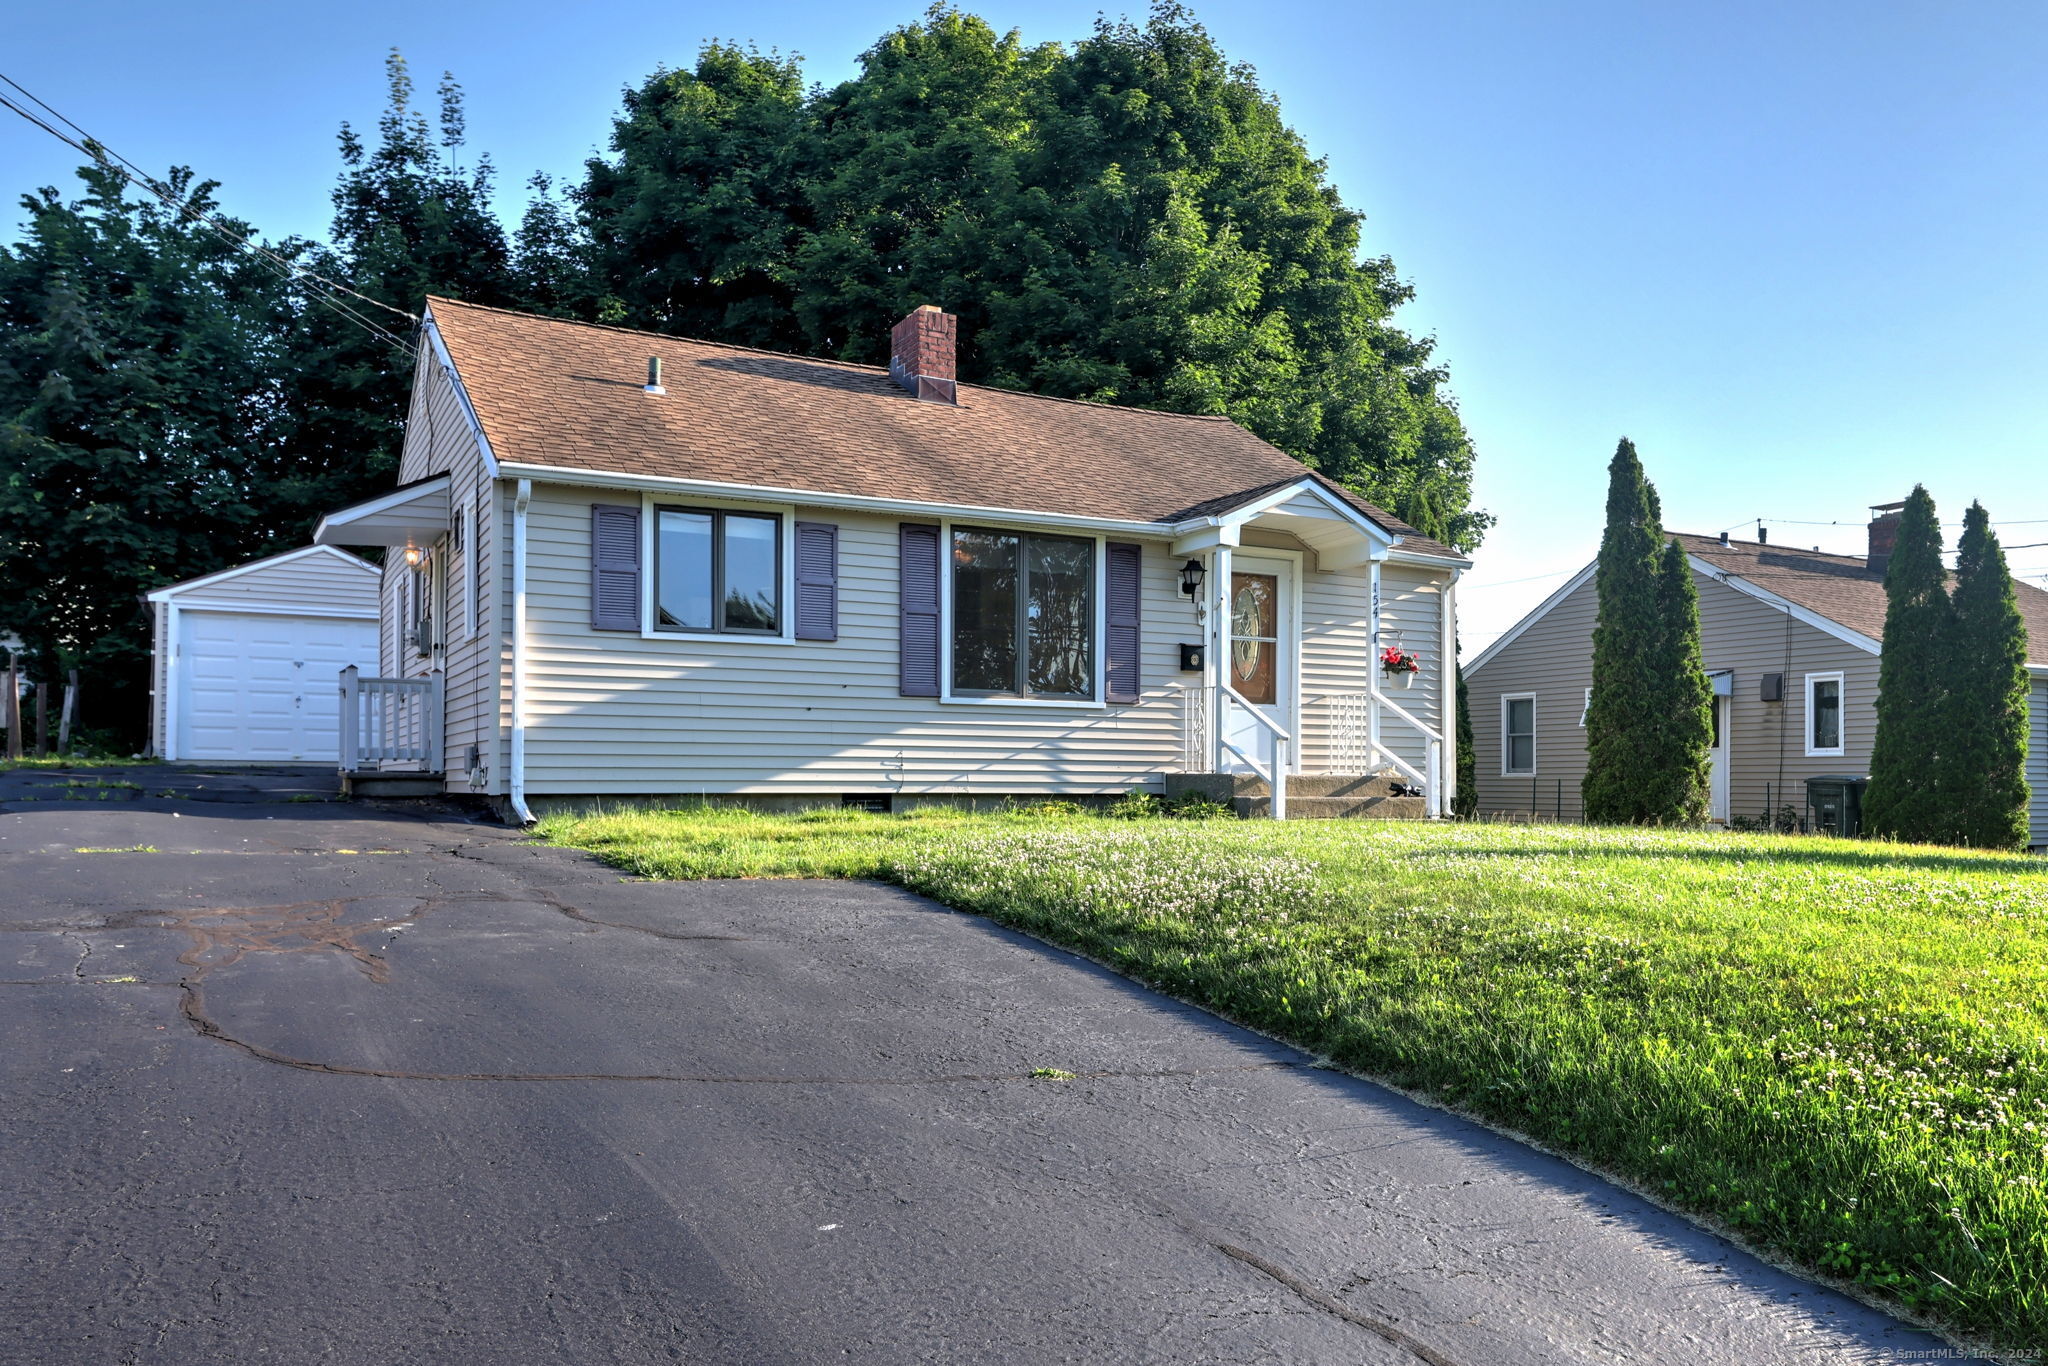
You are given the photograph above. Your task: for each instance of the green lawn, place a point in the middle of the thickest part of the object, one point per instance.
(1839, 1048)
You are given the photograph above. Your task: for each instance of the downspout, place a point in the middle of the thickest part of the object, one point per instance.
(520, 502)
(1447, 800)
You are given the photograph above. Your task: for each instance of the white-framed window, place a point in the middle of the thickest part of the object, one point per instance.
(1023, 619)
(464, 544)
(718, 571)
(1824, 708)
(1050, 649)
(1518, 735)
(1585, 709)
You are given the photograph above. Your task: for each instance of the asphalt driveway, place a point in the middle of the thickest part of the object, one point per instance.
(292, 1081)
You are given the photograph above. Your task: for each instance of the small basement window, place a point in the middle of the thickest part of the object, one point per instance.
(1518, 735)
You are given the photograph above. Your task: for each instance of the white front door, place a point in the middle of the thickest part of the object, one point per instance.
(1260, 663)
(1717, 762)
(259, 686)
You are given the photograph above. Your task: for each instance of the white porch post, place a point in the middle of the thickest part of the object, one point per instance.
(1447, 674)
(1219, 654)
(1372, 672)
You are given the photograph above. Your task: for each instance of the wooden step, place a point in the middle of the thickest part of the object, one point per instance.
(393, 784)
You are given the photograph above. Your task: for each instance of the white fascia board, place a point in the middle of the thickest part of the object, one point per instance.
(476, 427)
(715, 488)
(1457, 563)
(1827, 625)
(1248, 512)
(1542, 609)
(221, 576)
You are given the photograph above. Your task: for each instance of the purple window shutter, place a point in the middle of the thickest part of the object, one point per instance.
(1120, 617)
(614, 568)
(817, 581)
(919, 597)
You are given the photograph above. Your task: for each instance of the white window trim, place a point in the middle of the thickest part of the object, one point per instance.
(1506, 698)
(1841, 713)
(1100, 701)
(472, 556)
(1586, 709)
(650, 503)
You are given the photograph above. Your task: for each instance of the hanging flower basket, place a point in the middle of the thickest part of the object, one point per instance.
(1398, 663)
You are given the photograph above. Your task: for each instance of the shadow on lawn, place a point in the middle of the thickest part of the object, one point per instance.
(1857, 856)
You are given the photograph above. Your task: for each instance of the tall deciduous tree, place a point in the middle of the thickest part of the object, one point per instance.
(1624, 719)
(1983, 781)
(1907, 756)
(1129, 220)
(139, 420)
(1676, 770)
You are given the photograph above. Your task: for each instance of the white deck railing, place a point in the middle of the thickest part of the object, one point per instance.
(390, 723)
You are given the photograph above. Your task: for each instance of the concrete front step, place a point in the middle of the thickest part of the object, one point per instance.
(393, 784)
(1383, 808)
(1310, 796)
(1223, 787)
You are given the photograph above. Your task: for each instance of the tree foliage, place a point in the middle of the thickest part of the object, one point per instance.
(1677, 768)
(1649, 723)
(1983, 780)
(1906, 757)
(1128, 220)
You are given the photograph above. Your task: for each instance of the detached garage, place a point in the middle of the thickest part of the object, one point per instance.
(248, 660)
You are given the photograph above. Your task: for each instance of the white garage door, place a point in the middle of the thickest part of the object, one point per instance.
(266, 687)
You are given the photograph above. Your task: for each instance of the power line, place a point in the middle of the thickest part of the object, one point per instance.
(135, 175)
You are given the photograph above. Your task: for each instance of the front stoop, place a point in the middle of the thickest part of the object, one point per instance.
(373, 784)
(1310, 796)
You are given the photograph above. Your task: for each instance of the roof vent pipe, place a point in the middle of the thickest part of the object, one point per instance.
(654, 375)
(1724, 538)
(1763, 534)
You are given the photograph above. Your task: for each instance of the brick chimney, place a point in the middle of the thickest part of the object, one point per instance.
(921, 351)
(1884, 534)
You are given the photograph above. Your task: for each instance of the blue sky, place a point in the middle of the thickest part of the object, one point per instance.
(1794, 249)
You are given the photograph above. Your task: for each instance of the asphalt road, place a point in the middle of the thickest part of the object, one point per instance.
(306, 1082)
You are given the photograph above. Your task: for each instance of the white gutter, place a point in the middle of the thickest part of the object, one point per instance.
(517, 792)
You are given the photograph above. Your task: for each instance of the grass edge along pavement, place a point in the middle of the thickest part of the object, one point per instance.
(1837, 1049)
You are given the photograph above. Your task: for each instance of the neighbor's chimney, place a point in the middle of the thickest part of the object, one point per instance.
(1763, 534)
(1884, 534)
(921, 351)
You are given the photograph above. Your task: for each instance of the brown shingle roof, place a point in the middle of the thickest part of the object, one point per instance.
(1839, 587)
(550, 392)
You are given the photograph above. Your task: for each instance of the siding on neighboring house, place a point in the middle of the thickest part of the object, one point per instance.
(2037, 762)
(1553, 659)
(615, 712)
(439, 440)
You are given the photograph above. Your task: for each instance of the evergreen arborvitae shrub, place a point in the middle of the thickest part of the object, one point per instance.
(1905, 801)
(1676, 768)
(1623, 718)
(1983, 781)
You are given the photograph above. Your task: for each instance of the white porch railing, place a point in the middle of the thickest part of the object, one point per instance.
(1203, 709)
(1355, 746)
(390, 723)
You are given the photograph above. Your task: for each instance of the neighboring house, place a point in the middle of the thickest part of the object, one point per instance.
(631, 564)
(245, 660)
(1790, 639)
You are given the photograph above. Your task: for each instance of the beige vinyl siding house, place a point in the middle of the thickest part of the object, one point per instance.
(1773, 620)
(570, 688)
